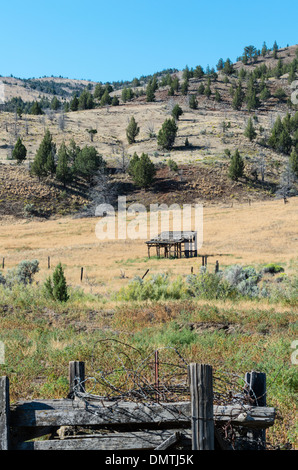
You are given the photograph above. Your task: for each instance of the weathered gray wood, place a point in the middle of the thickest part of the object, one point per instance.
(4, 414)
(257, 393)
(81, 413)
(112, 441)
(201, 393)
(76, 377)
(169, 441)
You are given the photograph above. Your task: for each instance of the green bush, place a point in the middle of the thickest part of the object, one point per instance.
(209, 286)
(57, 287)
(272, 268)
(157, 287)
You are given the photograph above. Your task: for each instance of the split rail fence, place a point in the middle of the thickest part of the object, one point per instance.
(101, 424)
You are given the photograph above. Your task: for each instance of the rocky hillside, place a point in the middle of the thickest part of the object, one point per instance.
(207, 135)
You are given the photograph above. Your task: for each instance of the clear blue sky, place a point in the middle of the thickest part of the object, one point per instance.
(122, 39)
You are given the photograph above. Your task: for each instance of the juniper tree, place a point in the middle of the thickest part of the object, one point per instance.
(44, 161)
(63, 170)
(132, 131)
(177, 112)
(57, 287)
(250, 131)
(88, 162)
(19, 152)
(142, 170)
(167, 134)
(236, 166)
(193, 102)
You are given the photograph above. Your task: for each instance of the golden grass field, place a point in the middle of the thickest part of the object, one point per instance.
(260, 233)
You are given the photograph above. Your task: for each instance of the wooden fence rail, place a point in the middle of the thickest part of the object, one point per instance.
(106, 425)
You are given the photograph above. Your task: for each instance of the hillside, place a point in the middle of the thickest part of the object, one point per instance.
(213, 130)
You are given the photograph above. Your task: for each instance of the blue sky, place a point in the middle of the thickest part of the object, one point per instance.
(120, 40)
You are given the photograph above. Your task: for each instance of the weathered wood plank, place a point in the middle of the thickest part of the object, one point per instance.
(116, 441)
(78, 412)
(4, 413)
(169, 441)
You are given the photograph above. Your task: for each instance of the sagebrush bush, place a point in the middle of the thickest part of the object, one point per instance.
(243, 278)
(23, 273)
(209, 286)
(157, 287)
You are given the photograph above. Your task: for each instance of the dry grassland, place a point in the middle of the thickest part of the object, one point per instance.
(261, 233)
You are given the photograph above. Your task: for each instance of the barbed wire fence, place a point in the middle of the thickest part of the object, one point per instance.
(161, 377)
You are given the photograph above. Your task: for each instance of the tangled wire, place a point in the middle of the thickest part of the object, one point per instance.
(160, 377)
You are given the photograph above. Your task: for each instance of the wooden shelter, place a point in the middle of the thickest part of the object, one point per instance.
(174, 244)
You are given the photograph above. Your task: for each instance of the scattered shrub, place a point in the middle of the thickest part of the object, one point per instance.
(272, 268)
(244, 279)
(23, 273)
(56, 287)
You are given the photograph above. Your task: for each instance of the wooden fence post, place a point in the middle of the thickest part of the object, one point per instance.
(82, 273)
(216, 267)
(257, 393)
(4, 413)
(76, 377)
(201, 396)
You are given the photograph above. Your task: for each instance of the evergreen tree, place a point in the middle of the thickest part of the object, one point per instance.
(265, 94)
(238, 98)
(85, 100)
(175, 84)
(88, 162)
(74, 103)
(198, 72)
(228, 67)
(280, 139)
(150, 93)
(98, 91)
(167, 134)
(105, 99)
(236, 166)
(132, 131)
(115, 101)
(293, 160)
(55, 104)
(207, 91)
(217, 96)
(193, 102)
(220, 65)
(142, 170)
(63, 170)
(44, 161)
(264, 49)
(201, 89)
(250, 131)
(177, 112)
(19, 152)
(36, 108)
(57, 287)
(184, 87)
